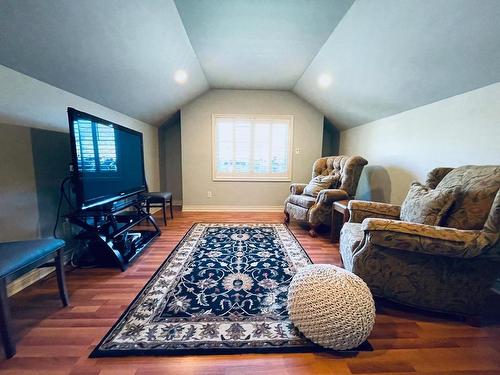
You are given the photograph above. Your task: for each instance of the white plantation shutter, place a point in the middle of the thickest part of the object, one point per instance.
(84, 141)
(249, 147)
(107, 148)
(95, 147)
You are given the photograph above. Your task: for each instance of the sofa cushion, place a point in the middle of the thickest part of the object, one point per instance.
(476, 187)
(426, 206)
(302, 200)
(297, 212)
(319, 183)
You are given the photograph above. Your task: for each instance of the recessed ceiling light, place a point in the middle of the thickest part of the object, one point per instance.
(180, 76)
(324, 80)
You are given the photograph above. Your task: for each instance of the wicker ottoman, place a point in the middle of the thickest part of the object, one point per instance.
(331, 306)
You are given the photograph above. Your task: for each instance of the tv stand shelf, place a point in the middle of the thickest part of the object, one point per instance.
(110, 234)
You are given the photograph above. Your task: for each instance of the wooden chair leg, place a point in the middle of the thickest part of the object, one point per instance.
(313, 231)
(171, 210)
(164, 209)
(6, 322)
(61, 282)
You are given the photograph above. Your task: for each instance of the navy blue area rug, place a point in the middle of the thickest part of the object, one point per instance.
(222, 290)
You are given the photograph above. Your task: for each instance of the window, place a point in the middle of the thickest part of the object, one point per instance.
(252, 147)
(95, 147)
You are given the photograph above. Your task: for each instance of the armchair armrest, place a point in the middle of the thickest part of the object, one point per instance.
(426, 239)
(328, 196)
(297, 189)
(360, 210)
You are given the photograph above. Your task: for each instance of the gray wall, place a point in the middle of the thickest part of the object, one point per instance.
(170, 158)
(464, 129)
(196, 118)
(390, 56)
(51, 158)
(331, 139)
(18, 198)
(33, 163)
(25, 101)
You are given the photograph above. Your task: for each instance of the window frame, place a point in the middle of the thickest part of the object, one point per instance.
(252, 117)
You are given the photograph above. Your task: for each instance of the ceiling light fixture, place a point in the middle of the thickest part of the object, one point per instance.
(324, 80)
(181, 76)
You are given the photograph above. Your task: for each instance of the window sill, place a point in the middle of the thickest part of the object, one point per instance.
(251, 179)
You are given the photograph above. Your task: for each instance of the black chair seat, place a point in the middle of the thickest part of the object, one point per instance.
(19, 254)
(158, 196)
(159, 199)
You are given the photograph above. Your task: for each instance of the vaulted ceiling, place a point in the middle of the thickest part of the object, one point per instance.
(356, 61)
(122, 54)
(258, 44)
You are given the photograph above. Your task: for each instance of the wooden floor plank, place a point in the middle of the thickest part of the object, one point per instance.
(53, 340)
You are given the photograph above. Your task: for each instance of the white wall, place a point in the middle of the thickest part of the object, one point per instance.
(196, 128)
(460, 130)
(26, 101)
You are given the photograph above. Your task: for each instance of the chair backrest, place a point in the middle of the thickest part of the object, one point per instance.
(347, 168)
(477, 204)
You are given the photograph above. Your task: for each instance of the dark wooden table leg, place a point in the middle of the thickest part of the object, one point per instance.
(346, 216)
(6, 322)
(164, 209)
(333, 226)
(171, 209)
(61, 282)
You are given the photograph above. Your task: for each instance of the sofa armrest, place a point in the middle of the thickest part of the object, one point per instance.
(360, 210)
(426, 239)
(297, 189)
(328, 196)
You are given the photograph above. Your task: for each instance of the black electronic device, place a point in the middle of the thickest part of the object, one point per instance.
(108, 180)
(107, 158)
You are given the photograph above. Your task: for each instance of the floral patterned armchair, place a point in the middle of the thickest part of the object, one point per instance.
(317, 210)
(449, 268)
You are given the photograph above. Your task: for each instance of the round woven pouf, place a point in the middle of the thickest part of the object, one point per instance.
(332, 307)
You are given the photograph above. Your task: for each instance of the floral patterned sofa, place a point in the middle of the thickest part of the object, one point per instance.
(317, 210)
(449, 268)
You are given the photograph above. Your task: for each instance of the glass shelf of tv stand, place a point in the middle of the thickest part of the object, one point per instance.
(112, 224)
(136, 201)
(118, 237)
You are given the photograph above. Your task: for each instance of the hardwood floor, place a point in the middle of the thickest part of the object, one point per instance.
(56, 340)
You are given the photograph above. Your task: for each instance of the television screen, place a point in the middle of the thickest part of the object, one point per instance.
(107, 159)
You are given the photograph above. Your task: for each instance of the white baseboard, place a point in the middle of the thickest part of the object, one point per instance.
(221, 208)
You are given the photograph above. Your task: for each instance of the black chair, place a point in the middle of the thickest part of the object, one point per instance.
(18, 258)
(160, 199)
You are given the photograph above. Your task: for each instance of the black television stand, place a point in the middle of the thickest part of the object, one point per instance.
(109, 232)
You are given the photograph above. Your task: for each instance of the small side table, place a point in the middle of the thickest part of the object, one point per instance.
(339, 208)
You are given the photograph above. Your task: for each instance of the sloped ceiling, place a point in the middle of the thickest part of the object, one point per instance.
(258, 44)
(122, 54)
(384, 57)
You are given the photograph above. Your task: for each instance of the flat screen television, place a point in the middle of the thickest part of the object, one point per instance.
(107, 158)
